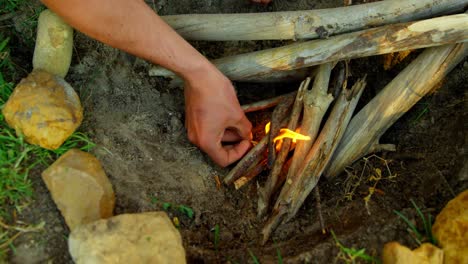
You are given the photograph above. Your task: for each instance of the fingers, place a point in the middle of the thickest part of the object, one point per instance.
(231, 136)
(225, 155)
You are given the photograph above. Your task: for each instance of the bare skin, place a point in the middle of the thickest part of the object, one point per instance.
(213, 113)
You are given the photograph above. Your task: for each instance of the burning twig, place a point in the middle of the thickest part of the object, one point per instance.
(264, 104)
(278, 116)
(272, 181)
(292, 197)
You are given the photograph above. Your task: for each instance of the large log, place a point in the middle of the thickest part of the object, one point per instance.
(381, 40)
(307, 24)
(365, 129)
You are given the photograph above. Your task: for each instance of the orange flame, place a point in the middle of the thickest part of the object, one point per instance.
(286, 133)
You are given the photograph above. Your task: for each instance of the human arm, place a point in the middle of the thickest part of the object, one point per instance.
(213, 113)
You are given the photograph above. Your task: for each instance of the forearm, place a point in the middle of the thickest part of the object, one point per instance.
(130, 25)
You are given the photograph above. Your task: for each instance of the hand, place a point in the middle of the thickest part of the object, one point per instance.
(214, 116)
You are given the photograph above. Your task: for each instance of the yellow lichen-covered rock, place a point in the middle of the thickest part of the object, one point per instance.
(45, 109)
(129, 238)
(451, 230)
(54, 44)
(395, 253)
(79, 188)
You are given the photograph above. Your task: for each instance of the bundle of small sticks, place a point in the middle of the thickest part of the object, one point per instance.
(326, 148)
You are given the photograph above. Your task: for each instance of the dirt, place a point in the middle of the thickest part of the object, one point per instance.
(138, 124)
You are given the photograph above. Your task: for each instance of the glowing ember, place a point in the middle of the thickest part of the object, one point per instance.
(286, 133)
(267, 127)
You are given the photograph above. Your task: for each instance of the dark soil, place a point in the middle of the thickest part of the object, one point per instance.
(137, 122)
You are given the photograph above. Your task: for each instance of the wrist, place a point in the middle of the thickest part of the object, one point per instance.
(194, 71)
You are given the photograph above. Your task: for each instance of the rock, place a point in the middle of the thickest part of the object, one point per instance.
(451, 229)
(80, 188)
(128, 238)
(45, 109)
(54, 44)
(395, 253)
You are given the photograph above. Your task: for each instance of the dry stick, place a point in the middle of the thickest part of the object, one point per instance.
(316, 102)
(381, 40)
(265, 193)
(271, 77)
(416, 80)
(307, 24)
(267, 103)
(308, 175)
(250, 174)
(318, 205)
(279, 114)
(254, 156)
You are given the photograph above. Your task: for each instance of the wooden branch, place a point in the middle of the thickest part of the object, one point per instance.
(265, 193)
(307, 24)
(267, 103)
(292, 197)
(381, 40)
(271, 77)
(278, 116)
(250, 174)
(326, 144)
(254, 156)
(318, 206)
(316, 102)
(402, 93)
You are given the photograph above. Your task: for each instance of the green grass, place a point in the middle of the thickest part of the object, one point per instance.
(352, 255)
(254, 258)
(416, 234)
(216, 237)
(166, 206)
(17, 157)
(10, 6)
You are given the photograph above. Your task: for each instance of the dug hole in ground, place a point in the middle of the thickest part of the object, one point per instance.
(137, 122)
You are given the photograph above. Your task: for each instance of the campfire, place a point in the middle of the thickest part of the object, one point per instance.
(312, 132)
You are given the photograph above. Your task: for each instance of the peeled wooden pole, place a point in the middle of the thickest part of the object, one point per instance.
(307, 24)
(381, 40)
(415, 81)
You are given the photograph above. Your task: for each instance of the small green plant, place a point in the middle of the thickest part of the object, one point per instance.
(185, 210)
(254, 258)
(352, 255)
(424, 111)
(278, 254)
(413, 230)
(216, 237)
